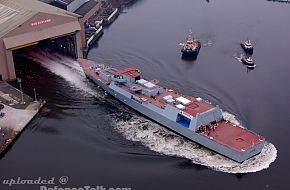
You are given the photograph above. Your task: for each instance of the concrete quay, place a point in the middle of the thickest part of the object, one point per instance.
(15, 113)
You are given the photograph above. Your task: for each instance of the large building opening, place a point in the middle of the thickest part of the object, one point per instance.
(32, 24)
(50, 52)
(65, 45)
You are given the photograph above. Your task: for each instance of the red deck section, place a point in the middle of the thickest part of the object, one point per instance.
(130, 71)
(86, 65)
(232, 136)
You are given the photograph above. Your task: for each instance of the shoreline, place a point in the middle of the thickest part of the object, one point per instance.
(16, 113)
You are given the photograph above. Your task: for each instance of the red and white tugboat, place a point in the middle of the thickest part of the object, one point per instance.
(191, 47)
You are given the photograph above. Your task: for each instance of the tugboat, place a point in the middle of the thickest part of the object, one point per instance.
(247, 46)
(191, 47)
(249, 62)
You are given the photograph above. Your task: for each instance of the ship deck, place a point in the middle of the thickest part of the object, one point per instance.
(232, 136)
(86, 64)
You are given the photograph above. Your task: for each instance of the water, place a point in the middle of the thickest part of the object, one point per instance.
(93, 139)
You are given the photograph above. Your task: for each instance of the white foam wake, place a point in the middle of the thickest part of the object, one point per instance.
(161, 140)
(62, 66)
(239, 57)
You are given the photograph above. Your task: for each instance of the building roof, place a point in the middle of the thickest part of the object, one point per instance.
(15, 12)
(85, 8)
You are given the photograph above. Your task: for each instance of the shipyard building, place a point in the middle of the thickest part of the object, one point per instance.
(32, 23)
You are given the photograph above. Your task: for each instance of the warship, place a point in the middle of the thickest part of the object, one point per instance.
(192, 117)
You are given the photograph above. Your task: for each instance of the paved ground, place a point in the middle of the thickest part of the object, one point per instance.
(6, 137)
(15, 114)
(12, 96)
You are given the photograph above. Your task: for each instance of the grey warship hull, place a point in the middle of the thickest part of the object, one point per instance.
(167, 115)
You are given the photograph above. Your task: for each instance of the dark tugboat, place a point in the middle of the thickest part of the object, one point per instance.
(191, 47)
(247, 47)
(249, 62)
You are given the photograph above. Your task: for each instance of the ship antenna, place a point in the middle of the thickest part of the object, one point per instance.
(190, 35)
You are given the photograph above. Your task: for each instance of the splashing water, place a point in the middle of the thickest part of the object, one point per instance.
(209, 43)
(62, 66)
(161, 140)
(239, 57)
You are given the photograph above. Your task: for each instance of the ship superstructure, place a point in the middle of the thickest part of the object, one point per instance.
(191, 117)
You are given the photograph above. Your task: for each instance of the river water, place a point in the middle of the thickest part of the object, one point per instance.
(90, 137)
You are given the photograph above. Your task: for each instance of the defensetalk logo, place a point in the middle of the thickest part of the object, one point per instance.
(54, 183)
